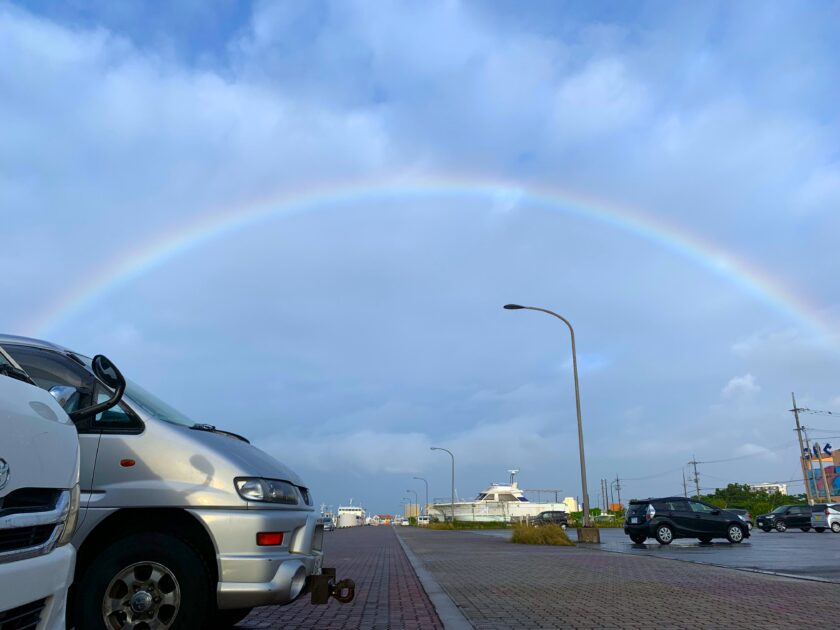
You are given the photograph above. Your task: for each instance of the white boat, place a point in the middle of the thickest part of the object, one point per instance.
(499, 503)
(351, 515)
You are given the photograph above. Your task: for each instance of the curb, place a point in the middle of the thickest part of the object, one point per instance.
(447, 611)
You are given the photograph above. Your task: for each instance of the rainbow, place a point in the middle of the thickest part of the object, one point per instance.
(216, 225)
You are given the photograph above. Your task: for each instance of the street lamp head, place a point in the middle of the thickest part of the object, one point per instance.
(513, 307)
(434, 448)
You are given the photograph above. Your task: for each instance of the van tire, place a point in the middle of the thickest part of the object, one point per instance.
(819, 530)
(173, 553)
(224, 619)
(781, 527)
(638, 538)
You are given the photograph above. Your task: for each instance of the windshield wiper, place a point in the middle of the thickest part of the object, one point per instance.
(212, 429)
(204, 427)
(12, 372)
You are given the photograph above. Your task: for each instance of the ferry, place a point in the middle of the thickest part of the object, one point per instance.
(351, 515)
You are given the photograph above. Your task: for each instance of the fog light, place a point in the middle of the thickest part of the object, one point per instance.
(267, 539)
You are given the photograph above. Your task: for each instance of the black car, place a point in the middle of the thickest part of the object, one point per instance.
(553, 517)
(744, 514)
(784, 517)
(677, 517)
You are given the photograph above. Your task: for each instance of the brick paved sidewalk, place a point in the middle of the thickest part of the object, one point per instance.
(497, 584)
(388, 593)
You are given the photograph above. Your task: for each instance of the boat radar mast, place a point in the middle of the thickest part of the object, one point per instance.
(513, 472)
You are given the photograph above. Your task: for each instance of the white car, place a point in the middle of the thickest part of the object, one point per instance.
(826, 516)
(39, 502)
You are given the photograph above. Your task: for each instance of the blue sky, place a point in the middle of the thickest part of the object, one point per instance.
(349, 338)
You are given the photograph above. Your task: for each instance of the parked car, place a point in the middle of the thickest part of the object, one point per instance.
(744, 515)
(668, 518)
(194, 522)
(785, 517)
(825, 516)
(329, 524)
(39, 502)
(552, 517)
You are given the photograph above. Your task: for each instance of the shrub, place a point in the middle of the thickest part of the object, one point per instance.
(543, 535)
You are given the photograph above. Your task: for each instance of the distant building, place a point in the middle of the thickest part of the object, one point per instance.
(778, 488)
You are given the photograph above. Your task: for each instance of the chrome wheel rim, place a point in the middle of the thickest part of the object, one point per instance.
(665, 534)
(143, 596)
(781, 527)
(735, 533)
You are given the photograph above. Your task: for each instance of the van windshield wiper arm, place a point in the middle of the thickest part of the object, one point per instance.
(212, 429)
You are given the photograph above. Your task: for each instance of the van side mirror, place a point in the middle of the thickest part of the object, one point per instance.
(108, 373)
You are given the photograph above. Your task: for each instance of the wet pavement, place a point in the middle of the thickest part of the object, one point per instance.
(498, 585)
(794, 553)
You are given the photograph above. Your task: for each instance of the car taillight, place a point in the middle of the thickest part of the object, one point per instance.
(649, 512)
(827, 513)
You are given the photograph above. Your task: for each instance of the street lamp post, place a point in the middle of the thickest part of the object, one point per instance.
(416, 501)
(437, 448)
(514, 307)
(425, 509)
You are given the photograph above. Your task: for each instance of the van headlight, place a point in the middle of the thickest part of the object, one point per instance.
(266, 490)
(72, 518)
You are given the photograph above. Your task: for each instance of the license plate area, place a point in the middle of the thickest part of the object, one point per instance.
(634, 519)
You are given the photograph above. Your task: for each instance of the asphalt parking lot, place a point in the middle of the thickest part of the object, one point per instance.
(794, 553)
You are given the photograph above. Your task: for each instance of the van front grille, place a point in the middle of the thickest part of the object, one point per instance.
(19, 538)
(22, 617)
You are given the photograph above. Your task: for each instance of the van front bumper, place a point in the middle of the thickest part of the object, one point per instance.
(251, 575)
(45, 578)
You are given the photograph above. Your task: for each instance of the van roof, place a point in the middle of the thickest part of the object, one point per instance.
(29, 341)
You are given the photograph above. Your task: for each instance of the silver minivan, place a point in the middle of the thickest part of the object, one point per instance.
(182, 525)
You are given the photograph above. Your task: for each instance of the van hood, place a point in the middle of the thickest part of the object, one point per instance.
(252, 461)
(39, 447)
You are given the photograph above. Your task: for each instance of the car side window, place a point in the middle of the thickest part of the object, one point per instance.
(681, 506)
(696, 506)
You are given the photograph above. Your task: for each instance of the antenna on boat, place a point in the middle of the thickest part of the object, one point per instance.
(513, 472)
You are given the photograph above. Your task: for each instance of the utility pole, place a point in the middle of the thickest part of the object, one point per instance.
(694, 462)
(798, 430)
(618, 489)
(811, 473)
(685, 487)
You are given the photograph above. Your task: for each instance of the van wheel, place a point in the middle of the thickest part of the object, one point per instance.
(638, 538)
(781, 527)
(766, 530)
(819, 530)
(805, 529)
(835, 527)
(705, 539)
(229, 618)
(734, 534)
(149, 580)
(664, 534)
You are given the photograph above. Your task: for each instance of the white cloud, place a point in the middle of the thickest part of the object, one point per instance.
(740, 386)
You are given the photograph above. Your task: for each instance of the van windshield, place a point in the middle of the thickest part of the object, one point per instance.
(154, 406)
(148, 402)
